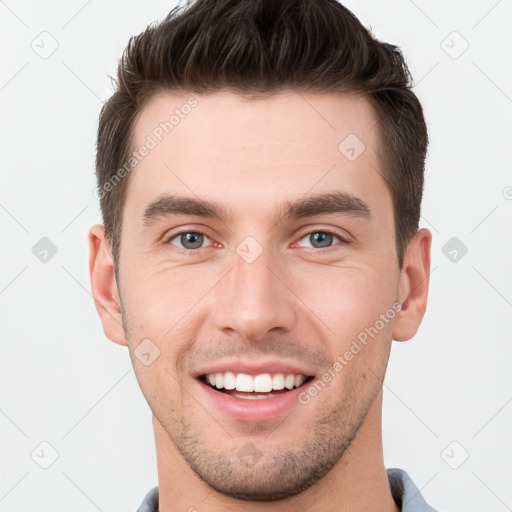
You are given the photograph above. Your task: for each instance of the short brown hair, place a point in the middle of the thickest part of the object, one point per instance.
(259, 48)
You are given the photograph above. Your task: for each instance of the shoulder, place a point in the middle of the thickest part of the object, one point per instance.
(405, 492)
(150, 501)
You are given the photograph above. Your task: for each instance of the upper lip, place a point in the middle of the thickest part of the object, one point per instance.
(253, 368)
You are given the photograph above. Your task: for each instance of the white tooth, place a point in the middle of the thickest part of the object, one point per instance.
(229, 380)
(278, 381)
(219, 380)
(263, 383)
(244, 382)
(299, 380)
(289, 381)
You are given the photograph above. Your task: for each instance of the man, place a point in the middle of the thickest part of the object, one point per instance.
(260, 171)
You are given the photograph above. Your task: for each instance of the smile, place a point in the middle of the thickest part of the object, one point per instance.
(246, 397)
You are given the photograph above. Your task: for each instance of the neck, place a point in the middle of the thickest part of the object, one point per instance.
(357, 483)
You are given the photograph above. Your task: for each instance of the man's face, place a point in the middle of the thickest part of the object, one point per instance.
(258, 292)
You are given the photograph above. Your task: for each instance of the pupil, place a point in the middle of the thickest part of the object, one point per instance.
(194, 240)
(321, 239)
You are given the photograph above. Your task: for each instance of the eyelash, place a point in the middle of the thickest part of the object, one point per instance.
(191, 252)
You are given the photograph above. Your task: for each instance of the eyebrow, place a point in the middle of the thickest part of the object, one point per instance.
(344, 203)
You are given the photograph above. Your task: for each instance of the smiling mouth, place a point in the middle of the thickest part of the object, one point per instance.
(257, 387)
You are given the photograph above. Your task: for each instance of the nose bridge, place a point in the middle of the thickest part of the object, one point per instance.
(252, 299)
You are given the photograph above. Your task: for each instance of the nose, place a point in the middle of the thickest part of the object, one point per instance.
(254, 299)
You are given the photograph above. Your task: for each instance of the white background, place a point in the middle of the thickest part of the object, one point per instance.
(64, 383)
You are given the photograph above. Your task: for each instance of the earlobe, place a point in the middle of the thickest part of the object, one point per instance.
(104, 286)
(414, 284)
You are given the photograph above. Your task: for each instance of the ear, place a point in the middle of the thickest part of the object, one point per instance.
(413, 288)
(104, 286)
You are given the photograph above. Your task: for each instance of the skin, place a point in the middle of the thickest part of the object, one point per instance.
(296, 302)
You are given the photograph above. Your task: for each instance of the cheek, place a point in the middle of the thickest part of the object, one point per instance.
(159, 386)
(341, 300)
(346, 299)
(160, 302)
(160, 312)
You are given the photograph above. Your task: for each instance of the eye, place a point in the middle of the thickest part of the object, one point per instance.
(194, 240)
(188, 240)
(321, 239)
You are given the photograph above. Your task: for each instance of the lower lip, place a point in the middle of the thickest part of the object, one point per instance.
(246, 409)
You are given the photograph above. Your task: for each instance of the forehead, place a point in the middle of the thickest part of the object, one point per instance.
(227, 148)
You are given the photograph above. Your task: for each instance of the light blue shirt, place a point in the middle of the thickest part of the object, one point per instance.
(403, 489)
